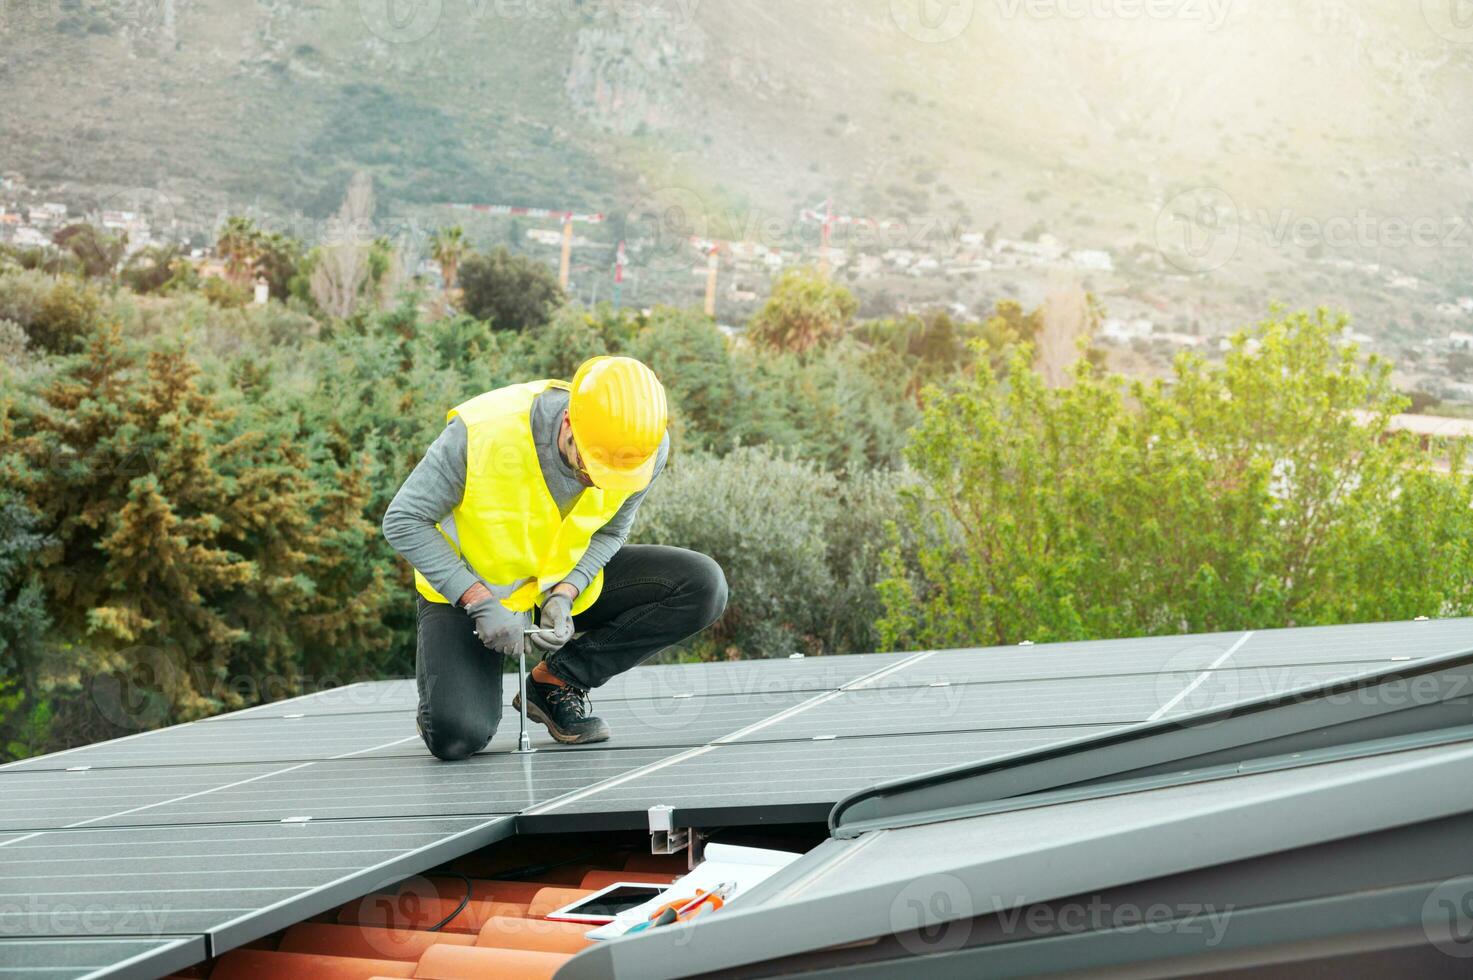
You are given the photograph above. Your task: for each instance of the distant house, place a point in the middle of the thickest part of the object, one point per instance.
(1121, 331)
(1432, 432)
(49, 214)
(1094, 260)
(1176, 339)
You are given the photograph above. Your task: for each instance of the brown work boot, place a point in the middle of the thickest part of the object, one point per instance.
(563, 708)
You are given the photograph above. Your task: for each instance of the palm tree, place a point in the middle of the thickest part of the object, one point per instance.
(448, 246)
(239, 245)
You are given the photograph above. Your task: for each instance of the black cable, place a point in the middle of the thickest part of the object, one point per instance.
(509, 875)
(469, 888)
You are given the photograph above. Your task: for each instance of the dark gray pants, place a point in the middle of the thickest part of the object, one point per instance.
(653, 596)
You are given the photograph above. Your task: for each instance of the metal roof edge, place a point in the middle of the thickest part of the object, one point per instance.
(1139, 784)
(1103, 757)
(1171, 842)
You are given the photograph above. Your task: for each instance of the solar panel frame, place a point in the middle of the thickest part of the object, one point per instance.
(674, 723)
(141, 958)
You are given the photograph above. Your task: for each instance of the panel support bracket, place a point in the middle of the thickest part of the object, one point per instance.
(666, 838)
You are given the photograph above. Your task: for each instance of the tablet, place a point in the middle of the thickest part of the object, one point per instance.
(604, 904)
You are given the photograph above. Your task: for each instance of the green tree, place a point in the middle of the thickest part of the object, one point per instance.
(277, 259)
(98, 252)
(448, 246)
(805, 310)
(24, 714)
(511, 291)
(239, 246)
(197, 543)
(1260, 492)
(692, 359)
(152, 269)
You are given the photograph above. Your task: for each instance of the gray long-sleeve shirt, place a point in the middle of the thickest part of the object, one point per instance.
(436, 487)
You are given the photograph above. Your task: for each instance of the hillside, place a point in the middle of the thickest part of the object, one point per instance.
(729, 117)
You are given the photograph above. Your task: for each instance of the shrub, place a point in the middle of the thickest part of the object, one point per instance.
(66, 315)
(511, 291)
(21, 295)
(221, 292)
(13, 341)
(793, 540)
(805, 310)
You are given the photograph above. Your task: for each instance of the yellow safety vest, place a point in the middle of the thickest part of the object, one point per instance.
(508, 527)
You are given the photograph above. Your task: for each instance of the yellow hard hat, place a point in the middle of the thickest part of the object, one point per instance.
(618, 414)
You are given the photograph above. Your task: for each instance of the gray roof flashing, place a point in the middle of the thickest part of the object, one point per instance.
(848, 891)
(1426, 695)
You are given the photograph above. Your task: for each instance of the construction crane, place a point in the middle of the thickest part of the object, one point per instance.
(823, 213)
(713, 247)
(568, 219)
(620, 259)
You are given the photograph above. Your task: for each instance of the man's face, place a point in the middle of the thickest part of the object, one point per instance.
(571, 454)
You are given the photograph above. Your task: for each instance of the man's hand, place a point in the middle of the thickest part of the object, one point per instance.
(557, 616)
(499, 628)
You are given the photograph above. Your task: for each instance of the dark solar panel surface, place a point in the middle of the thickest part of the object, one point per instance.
(809, 773)
(204, 880)
(224, 830)
(65, 959)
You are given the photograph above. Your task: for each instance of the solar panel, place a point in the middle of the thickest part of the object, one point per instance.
(218, 832)
(63, 959)
(803, 778)
(51, 799)
(230, 883)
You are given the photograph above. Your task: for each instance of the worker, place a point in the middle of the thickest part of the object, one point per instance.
(522, 505)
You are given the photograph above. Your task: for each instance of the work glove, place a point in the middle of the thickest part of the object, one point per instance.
(499, 628)
(557, 618)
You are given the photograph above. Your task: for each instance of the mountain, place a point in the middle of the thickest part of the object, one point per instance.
(1102, 125)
